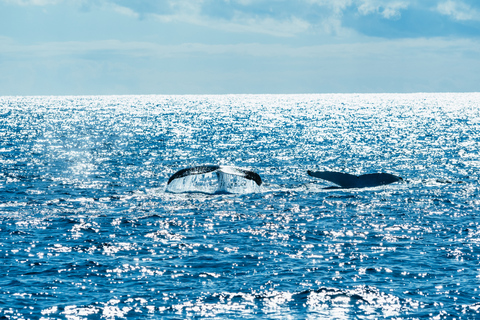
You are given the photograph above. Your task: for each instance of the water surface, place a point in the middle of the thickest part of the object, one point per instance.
(88, 231)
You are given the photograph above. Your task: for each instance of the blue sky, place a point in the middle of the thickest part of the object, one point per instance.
(77, 47)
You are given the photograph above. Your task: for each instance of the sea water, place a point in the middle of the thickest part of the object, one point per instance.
(89, 231)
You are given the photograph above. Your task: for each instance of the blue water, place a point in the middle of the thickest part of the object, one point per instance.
(89, 232)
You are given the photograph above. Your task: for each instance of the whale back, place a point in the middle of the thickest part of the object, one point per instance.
(346, 180)
(378, 179)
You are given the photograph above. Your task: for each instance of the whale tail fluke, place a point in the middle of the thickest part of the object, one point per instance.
(214, 179)
(247, 174)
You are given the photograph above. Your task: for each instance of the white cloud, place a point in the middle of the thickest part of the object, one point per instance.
(458, 10)
(240, 22)
(385, 48)
(124, 11)
(120, 67)
(279, 18)
(265, 25)
(337, 6)
(388, 9)
(33, 2)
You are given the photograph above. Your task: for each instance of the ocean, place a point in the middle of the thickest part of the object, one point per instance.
(89, 229)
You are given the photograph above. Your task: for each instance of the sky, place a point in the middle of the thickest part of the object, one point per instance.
(103, 47)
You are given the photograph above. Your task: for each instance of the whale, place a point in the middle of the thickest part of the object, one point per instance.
(247, 174)
(347, 181)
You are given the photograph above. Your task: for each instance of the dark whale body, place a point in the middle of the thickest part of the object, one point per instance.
(345, 180)
(247, 174)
